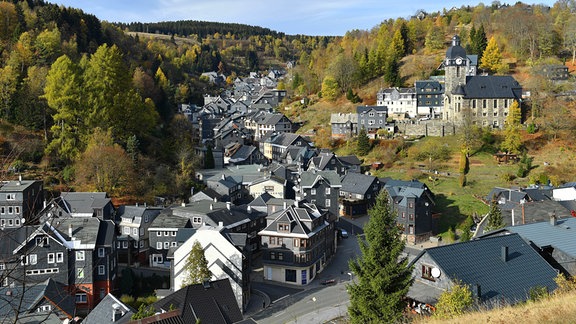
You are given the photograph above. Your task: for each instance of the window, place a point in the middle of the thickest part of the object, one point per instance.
(81, 298)
(101, 270)
(411, 217)
(371, 114)
(313, 191)
(272, 240)
(11, 196)
(495, 103)
(50, 257)
(44, 308)
(33, 258)
(102, 293)
(197, 220)
(146, 218)
(125, 244)
(283, 228)
(157, 258)
(135, 231)
(411, 229)
(159, 233)
(2, 266)
(166, 245)
(327, 191)
(101, 252)
(327, 203)
(505, 103)
(141, 244)
(17, 208)
(42, 241)
(80, 273)
(173, 233)
(10, 222)
(427, 272)
(280, 256)
(59, 257)
(484, 103)
(173, 243)
(2, 210)
(296, 242)
(2, 223)
(474, 103)
(166, 233)
(158, 245)
(135, 244)
(403, 215)
(126, 230)
(80, 256)
(272, 255)
(290, 275)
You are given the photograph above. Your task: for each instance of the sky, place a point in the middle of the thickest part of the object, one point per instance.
(308, 17)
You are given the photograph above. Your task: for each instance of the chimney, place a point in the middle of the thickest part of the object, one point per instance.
(285, 205)
(215, 199)
(228, 205)
(504, 254)
(116, 313)
(220, 224)
(553, 219)
(145, 205)
(223, 176)
(249, 209)
(70, 230)
(136, 204)
(296, 203)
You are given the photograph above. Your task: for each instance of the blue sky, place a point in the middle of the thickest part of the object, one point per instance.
(309, 17)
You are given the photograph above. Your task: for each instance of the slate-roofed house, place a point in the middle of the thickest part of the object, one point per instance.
(162, 233)
(484, 99)
(275, 145)
(228, 187)
(398, 100)
(79, 252)
(297, 243)
(500, 270)
(36, 303)
(358, 194)
(228, 258)
(320, 188)
(247, 154)
(133, 242)
(371, 118)
(555, 239)
(413, 203)
(263, 122)
(236, 219)
(326, 161)
(344, 125)
(110, 310)
(20, 199)
(430, 98)
(78, 205)
(271, 184)
(212, 302)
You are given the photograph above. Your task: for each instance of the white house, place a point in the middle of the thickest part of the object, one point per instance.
(564, 194)
(225, 260)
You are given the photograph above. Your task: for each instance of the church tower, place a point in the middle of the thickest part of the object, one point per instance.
(456, 67)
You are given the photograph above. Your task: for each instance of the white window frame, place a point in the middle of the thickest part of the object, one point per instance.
(101, 270)
(80, 256)
(81, 298)
(101, 252)
(59, 257)
(158, 245)
(135, 231)
(80, 273)
(51, 258)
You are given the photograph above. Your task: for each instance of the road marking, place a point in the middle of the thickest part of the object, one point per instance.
(279, 299)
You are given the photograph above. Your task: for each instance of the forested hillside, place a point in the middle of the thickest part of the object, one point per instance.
(76, 92)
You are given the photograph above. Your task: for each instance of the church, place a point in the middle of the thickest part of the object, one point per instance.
(482, 100)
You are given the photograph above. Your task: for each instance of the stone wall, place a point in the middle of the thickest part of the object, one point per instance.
(426, 128)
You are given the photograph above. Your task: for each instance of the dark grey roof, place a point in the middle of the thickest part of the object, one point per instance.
(561, 236)
(26, 299)
(310, 178)
(243, 153)
(83, 202)
(184, 234)
(300, 220)
(350, 160)
(214, 303)
(456, 51)
(533, 212)
(169, 220)
(365, 109)
(492, 86)
(357, 183)
(106, 233)
(103, 312)
(479, 262)
(435, 87)
(16, 186)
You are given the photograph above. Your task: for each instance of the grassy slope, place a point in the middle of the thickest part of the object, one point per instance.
(557, 309)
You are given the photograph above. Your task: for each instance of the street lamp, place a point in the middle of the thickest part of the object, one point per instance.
(350, 274)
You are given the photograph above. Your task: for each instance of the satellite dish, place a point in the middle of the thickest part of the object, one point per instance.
(435, 272)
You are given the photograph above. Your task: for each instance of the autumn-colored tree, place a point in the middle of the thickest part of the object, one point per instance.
(492, 58)
(454, 302)
(105, 166)
(196, 266)
(512, 139)
(330, 88)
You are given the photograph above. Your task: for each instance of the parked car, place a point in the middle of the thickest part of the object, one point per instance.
(343, 233)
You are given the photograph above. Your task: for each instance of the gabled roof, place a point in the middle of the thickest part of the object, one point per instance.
(481, 262)
(492, 86)
(561, 236)
(435, 87)
(349, 160)
(341, 118)
(213, 303)
(168, 220)
(274, 178)
(299, 218)
(137, 214)
(84, 202)
(104, 311)
(309, 179)
(27, 299)
(321, 160)
(365, 109)
(357, 183)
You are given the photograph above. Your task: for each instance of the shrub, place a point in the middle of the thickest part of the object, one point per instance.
(565, 285)
(537, 293)
(531, 129)
(454, 302)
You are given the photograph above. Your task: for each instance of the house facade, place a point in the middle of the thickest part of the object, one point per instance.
(20, 201)
(358, 194)
(297, 243)
(133, 243)
(320, 188)
(430, 98)
(372, 118)
(398, 100)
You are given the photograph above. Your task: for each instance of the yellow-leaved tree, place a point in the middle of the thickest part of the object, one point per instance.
(492, 58)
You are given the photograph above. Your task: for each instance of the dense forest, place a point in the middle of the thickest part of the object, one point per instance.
(91, 105)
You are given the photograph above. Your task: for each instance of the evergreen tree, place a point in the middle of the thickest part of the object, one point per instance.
(196, 266)
(479, 42)
(495, 220)
(363, 145)
(383, 275)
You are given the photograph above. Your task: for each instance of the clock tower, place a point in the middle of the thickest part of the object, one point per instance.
(455, 66)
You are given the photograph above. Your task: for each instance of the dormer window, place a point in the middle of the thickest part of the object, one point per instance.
(284, 228)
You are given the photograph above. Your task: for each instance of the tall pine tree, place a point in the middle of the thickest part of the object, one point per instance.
(495, 220)
(383, 275)
(363, 145)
